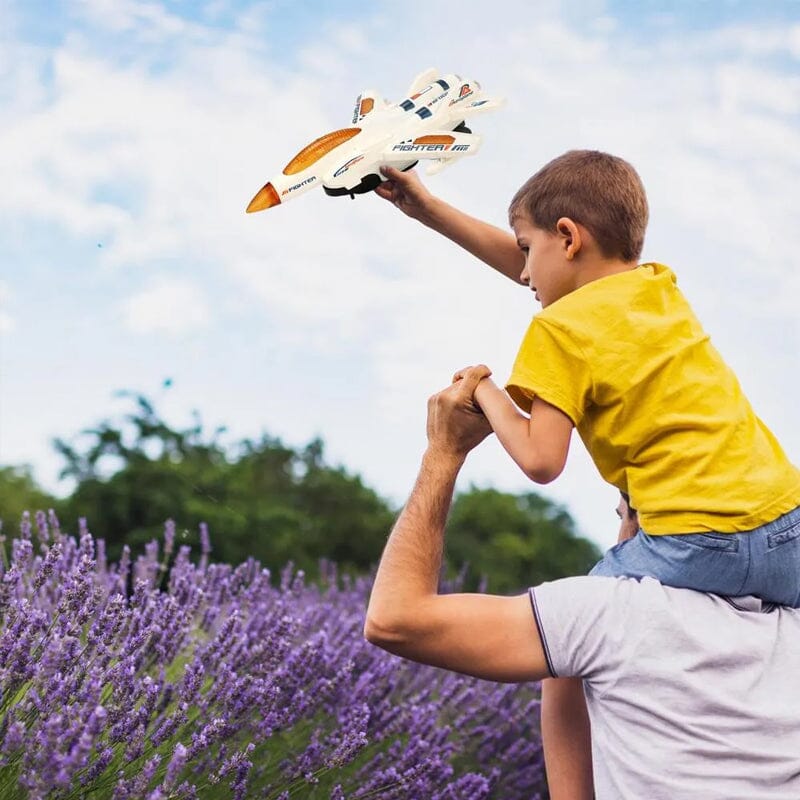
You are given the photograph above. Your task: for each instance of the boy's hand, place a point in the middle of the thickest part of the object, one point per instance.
(481, 370)
(455, 424)
(476, 374)
(406, 191)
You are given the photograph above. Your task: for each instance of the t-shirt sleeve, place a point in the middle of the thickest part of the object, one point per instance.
(582, 623)
(551, 365)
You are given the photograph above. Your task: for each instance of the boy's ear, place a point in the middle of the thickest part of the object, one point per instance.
(570, 236)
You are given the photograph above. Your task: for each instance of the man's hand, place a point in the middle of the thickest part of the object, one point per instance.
(406, 191)
(481, 370)
(455, 423)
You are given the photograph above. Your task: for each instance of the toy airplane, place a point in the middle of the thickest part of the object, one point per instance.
(428, 125)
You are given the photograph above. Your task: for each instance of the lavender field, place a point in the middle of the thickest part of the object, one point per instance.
(164, 678)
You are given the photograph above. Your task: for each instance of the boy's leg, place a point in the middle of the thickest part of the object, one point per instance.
(566, 738)
(706, 562)
(775, 558)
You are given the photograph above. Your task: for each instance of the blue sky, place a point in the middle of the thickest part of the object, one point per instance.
(133, 134)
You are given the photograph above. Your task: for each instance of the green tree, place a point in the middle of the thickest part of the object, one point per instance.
(264, 499)
(259, 498)
(514, 541)
(19, 492)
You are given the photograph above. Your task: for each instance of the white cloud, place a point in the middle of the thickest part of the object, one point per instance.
(7, 323)
(757, 40)
(149, 20)
(158, 164)
(168, 306)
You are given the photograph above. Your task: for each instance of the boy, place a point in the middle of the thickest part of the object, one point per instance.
(618, 353)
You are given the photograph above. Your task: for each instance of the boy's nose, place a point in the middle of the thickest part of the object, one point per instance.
(524, 276)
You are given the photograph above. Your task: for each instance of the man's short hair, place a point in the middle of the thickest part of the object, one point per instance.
(601, 192)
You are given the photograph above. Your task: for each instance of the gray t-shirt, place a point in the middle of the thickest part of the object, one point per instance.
(690, 695)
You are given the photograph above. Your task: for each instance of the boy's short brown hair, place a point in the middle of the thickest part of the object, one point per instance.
(601, 192)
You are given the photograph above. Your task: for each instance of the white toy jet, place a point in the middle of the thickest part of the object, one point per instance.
(429, 125)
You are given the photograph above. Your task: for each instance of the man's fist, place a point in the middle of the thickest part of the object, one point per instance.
(455, 424)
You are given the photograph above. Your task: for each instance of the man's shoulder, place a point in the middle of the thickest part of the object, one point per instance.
(599, 595)
(620, 602)
(616, 603)
(595, 627)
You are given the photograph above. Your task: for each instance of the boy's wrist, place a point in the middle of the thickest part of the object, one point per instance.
(484, 390)
(433, 212)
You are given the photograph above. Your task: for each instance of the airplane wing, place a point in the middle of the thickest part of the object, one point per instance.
(487, 104)
(442, 145)
(435, 166)
(422, 80)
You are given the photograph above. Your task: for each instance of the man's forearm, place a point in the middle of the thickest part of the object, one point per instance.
(492, 245)
(567, 741)
(412, 559)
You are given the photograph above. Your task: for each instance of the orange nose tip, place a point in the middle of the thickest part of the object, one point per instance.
(266, 198)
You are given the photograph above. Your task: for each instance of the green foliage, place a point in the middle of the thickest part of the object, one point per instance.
(19, 492)
(514, 541)
(277, 504)
(260, 498)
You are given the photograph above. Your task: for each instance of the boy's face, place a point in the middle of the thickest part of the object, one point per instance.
(548, 271)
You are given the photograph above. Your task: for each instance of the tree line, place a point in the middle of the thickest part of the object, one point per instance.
(276, 503)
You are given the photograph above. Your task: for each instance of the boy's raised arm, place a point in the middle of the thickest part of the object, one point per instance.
(493, 246)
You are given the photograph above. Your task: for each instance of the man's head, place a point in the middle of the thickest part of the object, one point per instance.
(581, 216)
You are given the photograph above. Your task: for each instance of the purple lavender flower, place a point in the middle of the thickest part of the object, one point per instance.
(353, 736)
(25, 524)
(47, 566)
(169, 538)
(101, 556)
(205, 539)
(176, 765)
(219, 669)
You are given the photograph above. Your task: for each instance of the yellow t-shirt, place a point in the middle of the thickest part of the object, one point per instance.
(661, 414)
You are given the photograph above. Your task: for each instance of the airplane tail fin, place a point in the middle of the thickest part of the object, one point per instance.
(367, 102)
(422, 80)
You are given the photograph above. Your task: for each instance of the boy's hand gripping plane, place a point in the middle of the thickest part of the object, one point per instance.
(429, 124)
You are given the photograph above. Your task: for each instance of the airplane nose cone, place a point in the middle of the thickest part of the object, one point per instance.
(266, 198)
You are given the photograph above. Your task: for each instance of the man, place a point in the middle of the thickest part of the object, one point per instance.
(690, 695)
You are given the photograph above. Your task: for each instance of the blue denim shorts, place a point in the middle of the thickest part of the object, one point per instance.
(764, 561)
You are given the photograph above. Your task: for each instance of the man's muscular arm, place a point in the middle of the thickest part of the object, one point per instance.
(567, 741)
(488, 636)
